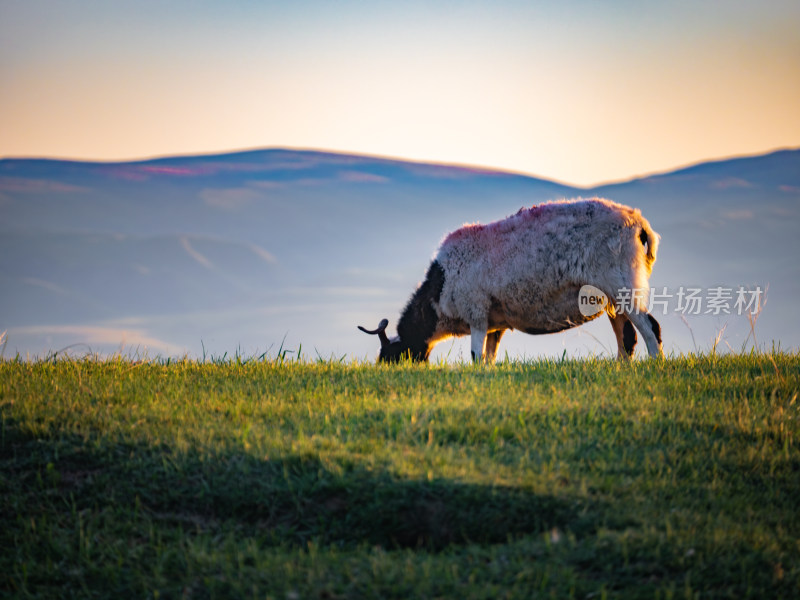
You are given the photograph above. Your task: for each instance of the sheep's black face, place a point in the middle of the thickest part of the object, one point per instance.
(392, 352)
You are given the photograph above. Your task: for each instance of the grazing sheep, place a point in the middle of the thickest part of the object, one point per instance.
(525, 272)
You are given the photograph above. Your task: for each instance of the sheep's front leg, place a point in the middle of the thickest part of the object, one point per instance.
(492, 341)
(478, 341)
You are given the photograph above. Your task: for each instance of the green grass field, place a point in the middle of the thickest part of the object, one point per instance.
(288, 480)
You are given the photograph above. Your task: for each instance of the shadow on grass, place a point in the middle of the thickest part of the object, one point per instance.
(92, 503)
(292, 500)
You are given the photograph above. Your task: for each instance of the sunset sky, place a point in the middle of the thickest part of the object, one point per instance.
(581, 91)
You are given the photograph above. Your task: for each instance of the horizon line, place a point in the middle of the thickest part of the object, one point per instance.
(489, 170)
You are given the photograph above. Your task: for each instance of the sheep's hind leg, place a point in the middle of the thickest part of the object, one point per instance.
(650, 330)
(626, 335)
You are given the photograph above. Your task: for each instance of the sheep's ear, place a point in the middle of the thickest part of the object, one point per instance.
(380, 332)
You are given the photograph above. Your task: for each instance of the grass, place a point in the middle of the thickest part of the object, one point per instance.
(290, 479)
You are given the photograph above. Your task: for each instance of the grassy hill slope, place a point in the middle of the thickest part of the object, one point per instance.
(278, 479)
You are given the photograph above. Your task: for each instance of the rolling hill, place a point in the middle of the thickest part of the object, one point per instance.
(247, 251)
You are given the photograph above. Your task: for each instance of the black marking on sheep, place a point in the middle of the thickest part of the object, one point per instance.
(629, 337)
(418, 320)
(656, 328)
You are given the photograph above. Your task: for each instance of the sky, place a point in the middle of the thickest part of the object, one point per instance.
(581, 92)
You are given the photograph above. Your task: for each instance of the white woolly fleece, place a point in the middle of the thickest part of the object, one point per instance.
(524, 272)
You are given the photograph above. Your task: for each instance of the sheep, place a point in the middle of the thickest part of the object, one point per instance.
(525, 272)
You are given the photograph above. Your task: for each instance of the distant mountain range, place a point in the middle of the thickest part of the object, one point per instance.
(254, 251)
